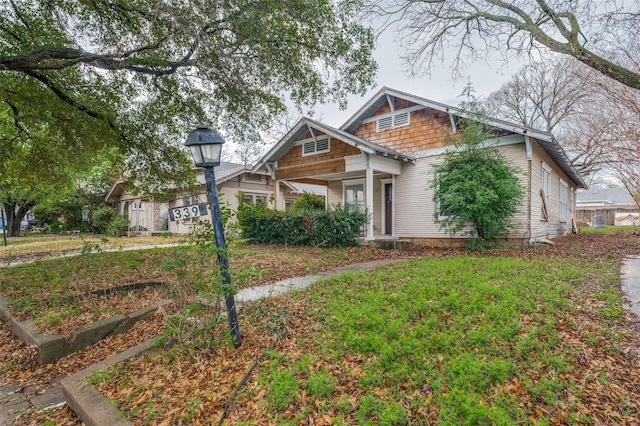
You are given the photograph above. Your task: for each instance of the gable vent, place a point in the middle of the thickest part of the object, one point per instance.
(315, 147)
(392, 121)
(384, 123)
(309, 147)
(401, 119)
(322, 145)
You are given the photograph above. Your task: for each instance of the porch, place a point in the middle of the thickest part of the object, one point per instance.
(366, 184)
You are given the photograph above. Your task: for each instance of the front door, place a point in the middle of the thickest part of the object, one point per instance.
(388, 209)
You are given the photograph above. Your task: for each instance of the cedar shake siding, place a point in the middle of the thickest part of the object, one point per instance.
(427, 129)
(293, 165)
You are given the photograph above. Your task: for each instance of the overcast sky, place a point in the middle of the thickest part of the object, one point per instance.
(439, 86)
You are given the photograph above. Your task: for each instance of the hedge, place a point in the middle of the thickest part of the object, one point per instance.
(335, 227)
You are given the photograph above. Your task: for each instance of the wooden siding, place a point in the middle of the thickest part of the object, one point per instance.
(426, 130)
(334, 192)
(414, 201)
(541, 228)
(415, 207)
(293, 165)
(516, 155)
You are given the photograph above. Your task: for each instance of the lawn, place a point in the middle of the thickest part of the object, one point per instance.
(455, 340)
(509, 336)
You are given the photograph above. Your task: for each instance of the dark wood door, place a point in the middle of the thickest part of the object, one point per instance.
(388, 210)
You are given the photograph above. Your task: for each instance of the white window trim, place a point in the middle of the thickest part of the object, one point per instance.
(441, 217)
(253, 196)
(547, 189)
(352, 182)
(393, 117)
(563, 199)
(315, 144)
(137, 205)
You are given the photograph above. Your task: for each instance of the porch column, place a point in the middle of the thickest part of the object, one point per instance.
(369, 198)
(279, 202)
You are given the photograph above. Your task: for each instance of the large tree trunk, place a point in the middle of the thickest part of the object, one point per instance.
(15, 214)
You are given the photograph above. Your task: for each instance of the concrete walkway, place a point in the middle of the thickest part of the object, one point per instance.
(630, 279)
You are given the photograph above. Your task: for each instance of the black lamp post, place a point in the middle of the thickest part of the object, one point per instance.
(206, 146)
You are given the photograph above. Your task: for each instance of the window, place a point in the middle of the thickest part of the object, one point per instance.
(288, 203)
(253, 177)
(399, 119)
(255, 199)
(354, 198)
(190, 200)
(545, 191)
(317, 146)
(137, 205)
(564, 195)
(442, 214)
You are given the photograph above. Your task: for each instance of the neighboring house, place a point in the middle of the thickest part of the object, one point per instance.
(148, 215)
(381, 159)
(291, 191)
(613, 204)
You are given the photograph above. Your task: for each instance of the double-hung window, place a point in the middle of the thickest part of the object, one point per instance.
(546, 190)
(564, 200)
(255, 198)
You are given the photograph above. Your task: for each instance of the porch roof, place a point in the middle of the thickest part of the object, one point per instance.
(305, 125)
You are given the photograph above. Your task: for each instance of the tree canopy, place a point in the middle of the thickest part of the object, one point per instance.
(84, 76)
(466, 30)
(81, 78)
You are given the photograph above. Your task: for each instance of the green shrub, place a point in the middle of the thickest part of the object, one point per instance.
(308, 201)
(335, 227)
(117, 226)
(475, 186)
(56, 227)
(102, 218)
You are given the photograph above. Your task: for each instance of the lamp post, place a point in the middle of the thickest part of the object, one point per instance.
(4, 227)
(206, 146)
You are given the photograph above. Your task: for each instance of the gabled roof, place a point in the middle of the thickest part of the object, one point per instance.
(305, 125)
(605, 196)
(301, 188)
(545, 139)
(225, 171)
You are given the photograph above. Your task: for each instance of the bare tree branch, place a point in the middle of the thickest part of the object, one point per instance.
(472, 28)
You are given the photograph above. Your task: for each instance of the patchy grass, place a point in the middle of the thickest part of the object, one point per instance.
(61, 294)
(605, 229)
(43, 246)
(459, 340)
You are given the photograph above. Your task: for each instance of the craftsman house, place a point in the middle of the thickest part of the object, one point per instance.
(381, 160)
(148, 215)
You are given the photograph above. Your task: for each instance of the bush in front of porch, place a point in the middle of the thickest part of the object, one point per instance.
(335, 227)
